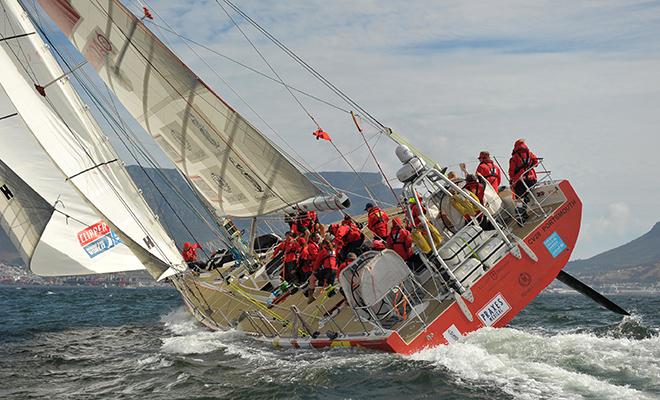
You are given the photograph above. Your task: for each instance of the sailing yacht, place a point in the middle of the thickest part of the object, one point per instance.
(73, 208)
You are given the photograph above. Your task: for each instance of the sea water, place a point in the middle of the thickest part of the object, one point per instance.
(95, 343)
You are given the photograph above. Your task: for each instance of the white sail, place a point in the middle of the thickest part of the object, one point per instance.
(232, 165)
(64, 129)
(50, 224)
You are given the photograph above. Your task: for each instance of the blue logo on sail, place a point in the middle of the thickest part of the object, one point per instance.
(102, 244)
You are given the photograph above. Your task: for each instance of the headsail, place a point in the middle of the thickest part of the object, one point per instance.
(51, 225)
(232, 165)
(75, 144)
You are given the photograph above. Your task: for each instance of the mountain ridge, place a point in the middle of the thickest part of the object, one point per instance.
(635, 262)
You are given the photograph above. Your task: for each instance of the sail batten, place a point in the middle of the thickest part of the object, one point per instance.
(232, 165)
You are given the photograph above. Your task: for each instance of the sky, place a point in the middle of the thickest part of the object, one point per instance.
(579, 80)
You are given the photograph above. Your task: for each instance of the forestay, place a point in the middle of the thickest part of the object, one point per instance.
(51, 225)
(64, 129)
(233, 166)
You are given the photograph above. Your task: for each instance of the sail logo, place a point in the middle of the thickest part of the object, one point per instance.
(97, 239)
(97, 48)
(494, 310)
(7, 192)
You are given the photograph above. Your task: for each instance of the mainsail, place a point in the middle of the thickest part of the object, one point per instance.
(61, 125)
(51, 225)
(233, 166)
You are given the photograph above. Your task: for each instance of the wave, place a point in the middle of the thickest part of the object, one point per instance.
(564, 366)
(616, 362)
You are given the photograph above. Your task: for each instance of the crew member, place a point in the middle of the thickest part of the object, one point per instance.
(291, 251)
(400, 239)
(308, 257)
(489, 170)
(416, 210)
(473, 185)
(350, 257)
(189, 254)
(521, 169)
(352, 239)
(325, 266)
(302, 247)
(377, 220)
(282, 245)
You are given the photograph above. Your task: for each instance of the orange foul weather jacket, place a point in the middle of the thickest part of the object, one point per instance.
(521, 160)
(377, 222)
(489, 170)
(400, 240)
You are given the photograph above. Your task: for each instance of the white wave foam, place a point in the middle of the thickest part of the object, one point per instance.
(190, 337)
(564, 366)
(195, 343)
(180, 322)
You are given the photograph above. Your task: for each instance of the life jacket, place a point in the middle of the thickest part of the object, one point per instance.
(341, 234)
(416, 212)
(491, 172)
(291, 251)
(281, 246)
(326, 259)
(190, 252)
(477, 188)
(306, 220)
(521, 160)
(377, 221)
(308, 256)
(354, 234)
(400, 240)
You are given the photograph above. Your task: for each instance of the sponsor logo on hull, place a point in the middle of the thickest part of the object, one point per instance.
(554, 244)
(452, 334)
(494, 310)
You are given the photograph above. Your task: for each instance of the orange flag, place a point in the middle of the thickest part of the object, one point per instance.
(321, 134)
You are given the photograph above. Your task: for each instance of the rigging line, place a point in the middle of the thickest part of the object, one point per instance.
(90, 169)
(84, 149)
(252, 69)
(185, 98)
(380, 168)
(268, 64)
(309, 68)
(291, 92)
(354, 171)
(302, 160)
(353, 150)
